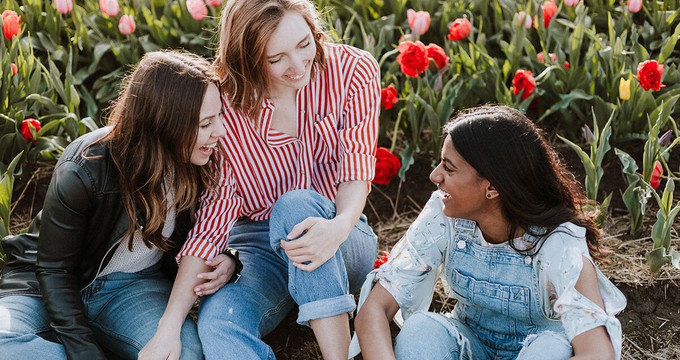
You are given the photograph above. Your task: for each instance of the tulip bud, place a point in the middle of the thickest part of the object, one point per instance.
(63, 6)
(11, 24)
(665, 139)
(624, 89)
(126, 25)
(213, 3)
(571, 3)
(634, 6)
(523, 19)
(588, 134)
(197, 9)
(109, 7)
(418, 21)
(28, 127)
(14, 68)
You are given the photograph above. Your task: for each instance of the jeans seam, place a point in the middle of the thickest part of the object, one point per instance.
(120, 337)
(268, 313)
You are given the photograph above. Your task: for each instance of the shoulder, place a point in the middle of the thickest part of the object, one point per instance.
(346, 57)
(87, 159)
(432, 223)
(567, 237)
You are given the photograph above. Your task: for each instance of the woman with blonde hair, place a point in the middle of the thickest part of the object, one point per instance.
(117, 210)
(302, 116)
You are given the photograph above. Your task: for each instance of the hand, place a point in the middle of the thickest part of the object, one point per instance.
(163, 346)
(223, 268)
(320, 240)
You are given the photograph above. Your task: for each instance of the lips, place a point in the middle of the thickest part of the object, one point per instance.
(208, 149)
(295, 77)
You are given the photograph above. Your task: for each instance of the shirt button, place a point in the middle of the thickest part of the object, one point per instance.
(527, 260)
(460, 244)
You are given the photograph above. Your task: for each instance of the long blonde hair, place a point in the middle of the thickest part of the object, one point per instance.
(155, 123)
(245, 28)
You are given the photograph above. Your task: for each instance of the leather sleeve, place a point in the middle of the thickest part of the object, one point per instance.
(69, 204)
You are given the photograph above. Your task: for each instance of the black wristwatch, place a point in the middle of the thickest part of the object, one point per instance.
(233, 254)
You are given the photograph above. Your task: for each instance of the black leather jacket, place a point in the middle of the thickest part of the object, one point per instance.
(83, 221)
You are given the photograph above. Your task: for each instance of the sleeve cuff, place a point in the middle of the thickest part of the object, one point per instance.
(357, 167)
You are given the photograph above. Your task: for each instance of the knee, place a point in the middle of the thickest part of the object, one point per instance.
(427, 336)
(304, 202)
(548, 342)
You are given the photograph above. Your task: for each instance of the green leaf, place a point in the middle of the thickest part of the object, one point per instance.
(6, 187)
(657, 258)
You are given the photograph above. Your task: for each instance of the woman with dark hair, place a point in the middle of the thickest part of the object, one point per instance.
(507, 232)
(117, 210)
(302, 116)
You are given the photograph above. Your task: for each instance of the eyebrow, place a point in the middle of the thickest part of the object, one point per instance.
(281, 53)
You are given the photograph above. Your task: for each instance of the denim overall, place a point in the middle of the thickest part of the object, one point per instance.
(499, 314)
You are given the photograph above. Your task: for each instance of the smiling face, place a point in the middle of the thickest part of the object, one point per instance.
(210, 127)
(465, 191)
(289, 54)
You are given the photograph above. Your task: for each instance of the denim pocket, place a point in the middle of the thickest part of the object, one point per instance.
(509, 300)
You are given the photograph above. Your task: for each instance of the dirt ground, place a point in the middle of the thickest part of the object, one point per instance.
(651, 321)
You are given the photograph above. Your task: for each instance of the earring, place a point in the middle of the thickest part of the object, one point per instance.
(488, 196)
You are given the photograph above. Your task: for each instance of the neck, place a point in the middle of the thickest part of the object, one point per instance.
(496, 228)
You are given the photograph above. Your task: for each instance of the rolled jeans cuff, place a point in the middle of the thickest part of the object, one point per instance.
(325, 308)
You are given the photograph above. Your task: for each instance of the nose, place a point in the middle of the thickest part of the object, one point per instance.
(435, 175)
(219, 131)
(298, 64)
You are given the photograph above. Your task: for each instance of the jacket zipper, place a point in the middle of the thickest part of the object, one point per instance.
(99, 269)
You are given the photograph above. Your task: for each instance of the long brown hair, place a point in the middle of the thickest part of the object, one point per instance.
(155, 123)
(535, 188)
(245, 28)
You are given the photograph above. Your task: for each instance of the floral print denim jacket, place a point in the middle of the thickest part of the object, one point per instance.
(417, 260)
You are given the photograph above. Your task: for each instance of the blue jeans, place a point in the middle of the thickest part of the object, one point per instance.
(123, 309)
(23, 326)
(435, 336)
(232, 321)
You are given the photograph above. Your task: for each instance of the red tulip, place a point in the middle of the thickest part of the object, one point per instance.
(63, 6)
(549, 9)
(523, 80)
(126, 25)
(14, 68)
(655, 180)
(389, 97)
(412, 58)
(11, 24)
(197, 9)
(109, 7)
(649, 74)
(459, 29)
(28, 127)
(436, 53)
(418, 21)
(386, 167)
(384, 256)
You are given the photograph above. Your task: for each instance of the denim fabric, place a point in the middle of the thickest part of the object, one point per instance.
(498, 311)
(24, 327)
(233, 320)
(124, 309)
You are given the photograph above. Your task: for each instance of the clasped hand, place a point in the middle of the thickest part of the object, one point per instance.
(223, 268)
(319, 240)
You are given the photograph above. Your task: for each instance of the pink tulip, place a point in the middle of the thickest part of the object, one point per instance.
(197, 9)
(15, 69)
(213, 3)
(571, 3)
(109, 7)
(523, 19)
(126, 25)
(63, 6)
(418, 21)
(634, 5)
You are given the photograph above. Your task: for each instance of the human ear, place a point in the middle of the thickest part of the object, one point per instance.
(491, 192)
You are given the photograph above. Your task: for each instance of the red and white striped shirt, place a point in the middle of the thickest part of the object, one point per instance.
(337, 114)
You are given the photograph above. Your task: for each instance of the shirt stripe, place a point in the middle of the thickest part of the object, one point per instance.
(338, 115)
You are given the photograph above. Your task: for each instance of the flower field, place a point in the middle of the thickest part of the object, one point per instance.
(601, 77)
